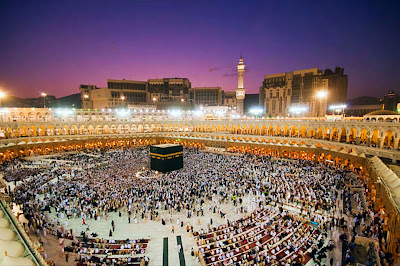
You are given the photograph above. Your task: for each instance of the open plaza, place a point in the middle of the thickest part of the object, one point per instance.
(242, 197)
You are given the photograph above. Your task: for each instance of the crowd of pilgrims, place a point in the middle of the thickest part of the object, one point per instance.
(16, 170)
(267, 236)
(119, 180)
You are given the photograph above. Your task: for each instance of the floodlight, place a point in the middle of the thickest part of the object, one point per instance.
(322, 94)
(298, 109)
(256, 110)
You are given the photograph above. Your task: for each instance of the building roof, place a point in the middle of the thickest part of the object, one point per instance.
(125, 81)
(382, 112)
(206, 88)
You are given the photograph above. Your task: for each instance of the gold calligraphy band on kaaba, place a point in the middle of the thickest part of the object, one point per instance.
(166, 155)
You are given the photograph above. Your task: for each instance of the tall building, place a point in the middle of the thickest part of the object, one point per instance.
(206, 96)
(337, 85)
(297, 90)
(229, 99)
(162, 93)
(169, 92)
(240, 91)
(390, 101)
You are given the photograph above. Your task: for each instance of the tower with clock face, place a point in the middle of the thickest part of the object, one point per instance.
(240, 91)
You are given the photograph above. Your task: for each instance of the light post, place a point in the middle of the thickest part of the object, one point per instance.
(44, 95)
(2, 95)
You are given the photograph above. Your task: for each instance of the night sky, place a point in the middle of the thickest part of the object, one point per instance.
(54, 47)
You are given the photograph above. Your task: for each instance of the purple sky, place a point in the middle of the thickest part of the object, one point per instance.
(55, 47)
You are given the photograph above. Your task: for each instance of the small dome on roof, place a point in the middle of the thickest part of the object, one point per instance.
(382, 112)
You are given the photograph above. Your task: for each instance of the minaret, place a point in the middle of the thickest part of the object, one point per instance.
(240, 92)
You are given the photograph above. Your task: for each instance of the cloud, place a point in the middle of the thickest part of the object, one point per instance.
(232, 71)
(229, 74)
(213, 69)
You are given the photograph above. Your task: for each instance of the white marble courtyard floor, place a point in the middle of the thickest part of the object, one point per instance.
(156, 231)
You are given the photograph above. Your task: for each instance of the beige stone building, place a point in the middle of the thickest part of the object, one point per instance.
(159, 93)
(229, 99)
(121, 93)
(118, 93)
(299, 92)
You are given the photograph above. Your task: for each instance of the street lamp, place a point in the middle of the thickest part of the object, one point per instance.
(44, 95)
(86, 96)
(2, 95)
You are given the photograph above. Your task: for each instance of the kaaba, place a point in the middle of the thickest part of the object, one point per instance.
(166, 157)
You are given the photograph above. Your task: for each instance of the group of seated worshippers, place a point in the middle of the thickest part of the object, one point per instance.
(265, 236)
(108, 251)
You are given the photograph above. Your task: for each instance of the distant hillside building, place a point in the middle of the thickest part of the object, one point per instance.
(41, 102)
(281, 92)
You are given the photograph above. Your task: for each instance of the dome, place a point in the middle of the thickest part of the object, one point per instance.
(13, 248)
(4, 223)
(6, 234)
(382, 112)
(16, 261)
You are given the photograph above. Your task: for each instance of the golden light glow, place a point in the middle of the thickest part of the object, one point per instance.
(44, 94)
(322, 94)
(2, 94)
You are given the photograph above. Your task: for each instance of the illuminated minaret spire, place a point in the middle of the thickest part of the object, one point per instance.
(240, 91)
